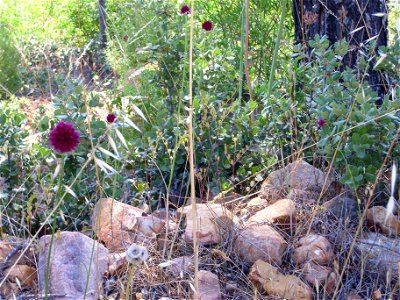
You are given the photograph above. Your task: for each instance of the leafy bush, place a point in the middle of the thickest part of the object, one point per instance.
(353, 131)
(9, 79)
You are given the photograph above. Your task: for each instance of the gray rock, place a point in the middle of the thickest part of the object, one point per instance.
(77, 264)
(342, 208)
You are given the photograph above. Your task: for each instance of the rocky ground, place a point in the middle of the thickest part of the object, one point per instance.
(289, 242)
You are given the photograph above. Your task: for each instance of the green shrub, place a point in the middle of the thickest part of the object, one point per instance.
(10, 57)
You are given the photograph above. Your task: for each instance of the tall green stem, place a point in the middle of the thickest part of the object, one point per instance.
(53, 229)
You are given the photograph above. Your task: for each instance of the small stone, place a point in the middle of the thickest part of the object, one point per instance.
(26, 275)
(209, 288)
(377, 221)
(180, 267)
(313, 248)
(317, 275)
(116, 262)
(211, 218)
(260, 242)
(267, 278)
(282, 212)
(73, 255)
(255, 205)
(353, 295)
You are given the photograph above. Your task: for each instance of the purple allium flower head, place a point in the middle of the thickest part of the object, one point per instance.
(207, 25)
(321, 123)
(111, 118)
(185, 10)
(64, 138)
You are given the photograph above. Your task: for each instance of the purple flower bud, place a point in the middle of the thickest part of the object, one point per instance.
(111, 118)
(321, 123)
(64, 138)
(207, 25)
(185, 10)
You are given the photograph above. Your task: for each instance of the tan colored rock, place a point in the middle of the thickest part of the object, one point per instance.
(149, 226)
(267, 278)
(298, 175)
(282, 212)
(317, 275)
(115, 223)
(380, 253)
(121, 224)
(209, 288)
(377, 221)
(255, 205)
(260, 242)
(11, 250)
(300, 196)
(211, 219)
(26, 275)
(116, 262)
(73, 255)
(313, 248)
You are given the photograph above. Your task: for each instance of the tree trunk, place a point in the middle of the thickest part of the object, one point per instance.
(103, 24)
(354, 20)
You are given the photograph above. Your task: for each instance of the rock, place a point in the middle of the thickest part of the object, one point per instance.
(73, 255)
(353, 295)
(115, 223)
(267, 278)
(381, 254)
(116, 262)
(282, 212)
(342, 208)
(121, 224)
(149, 226)
(313, 248)
(212, 219)
(317, 275)
(25, 274)
(180, 267)
(298, 175)
(255, 205)
(300, 196)
(260, 242)
(208, 286)
(11, 250)
(376, 219)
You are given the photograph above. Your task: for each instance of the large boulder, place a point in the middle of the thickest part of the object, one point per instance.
(256, 242)
(268, 279)
(298, 175)
(77, 265)
(212, 221)
(118, 224)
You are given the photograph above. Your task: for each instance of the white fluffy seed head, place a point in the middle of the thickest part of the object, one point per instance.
(136, 254)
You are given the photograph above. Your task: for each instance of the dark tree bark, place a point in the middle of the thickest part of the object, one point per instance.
(103, 24)
(338, 19)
